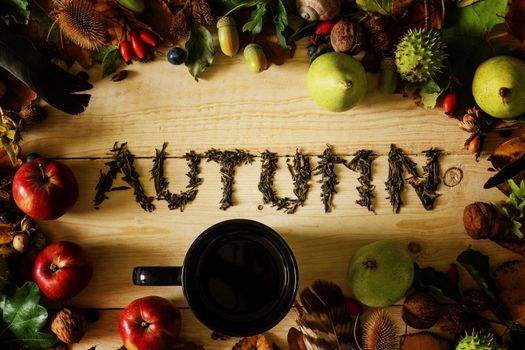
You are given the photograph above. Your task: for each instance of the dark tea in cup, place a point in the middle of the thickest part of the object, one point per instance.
(239, 277)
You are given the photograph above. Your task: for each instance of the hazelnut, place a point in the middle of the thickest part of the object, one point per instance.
(21, 242)
(347, 37)
(421, 311)
(69, 325)
(481, 220)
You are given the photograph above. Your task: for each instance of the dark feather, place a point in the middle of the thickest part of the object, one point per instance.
(49, 81)
(325, 320)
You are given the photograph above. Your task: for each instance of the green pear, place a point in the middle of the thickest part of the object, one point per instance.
(499, 87)
(380, 273)
(337, 81)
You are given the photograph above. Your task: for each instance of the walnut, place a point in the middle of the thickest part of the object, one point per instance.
(347, 37)
(482, 221)
(69, 325)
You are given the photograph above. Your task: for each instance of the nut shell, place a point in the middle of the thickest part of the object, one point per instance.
(69, 325)
(347, 37)
(421, 311)
(481, 221)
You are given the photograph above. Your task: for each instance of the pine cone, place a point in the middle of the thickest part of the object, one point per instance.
(201, 12)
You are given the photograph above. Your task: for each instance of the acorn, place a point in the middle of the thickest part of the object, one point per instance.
(421, 311)
(255, 58)
(69, 325)
(228, 36)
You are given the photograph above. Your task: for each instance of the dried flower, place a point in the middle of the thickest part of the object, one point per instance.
(380, 332)
(69, 325)
(80, 22)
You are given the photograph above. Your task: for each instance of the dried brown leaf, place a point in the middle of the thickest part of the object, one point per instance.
(159, 16)
(515, 19)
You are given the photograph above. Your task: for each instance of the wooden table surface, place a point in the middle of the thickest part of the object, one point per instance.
(230, 108)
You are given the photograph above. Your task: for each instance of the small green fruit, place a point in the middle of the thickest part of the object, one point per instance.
(380, 273)
(255, 58)
(228, 36)
(498, 87)
(136, 6)
(337, 81)
(388, 77)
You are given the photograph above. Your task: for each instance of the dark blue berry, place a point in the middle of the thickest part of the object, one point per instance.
(32, 156)
(311, 49)
(177, 55)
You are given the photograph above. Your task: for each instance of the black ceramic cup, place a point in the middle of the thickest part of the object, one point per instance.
(239, 277)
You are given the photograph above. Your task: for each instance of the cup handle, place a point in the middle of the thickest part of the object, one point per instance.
(157, 276)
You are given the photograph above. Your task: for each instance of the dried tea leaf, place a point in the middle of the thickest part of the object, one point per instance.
(515, 19)
(200, 51)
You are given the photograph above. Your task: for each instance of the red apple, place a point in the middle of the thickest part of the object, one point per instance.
(150, 323)
(62, 270)
(44, 189)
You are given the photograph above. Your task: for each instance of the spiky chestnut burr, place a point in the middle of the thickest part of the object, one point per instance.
(420, 55)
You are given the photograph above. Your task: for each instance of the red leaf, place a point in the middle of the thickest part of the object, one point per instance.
(515, 19)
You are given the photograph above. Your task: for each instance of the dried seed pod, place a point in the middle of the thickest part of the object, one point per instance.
(380, 332)
(347, 37)
(202, 12)
(80, 22)
(318, 10)
(420, 311)
(69, 325)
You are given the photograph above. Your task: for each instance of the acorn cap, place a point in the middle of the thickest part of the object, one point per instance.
(226, 21)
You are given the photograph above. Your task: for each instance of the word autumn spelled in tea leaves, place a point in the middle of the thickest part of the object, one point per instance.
(300, 170)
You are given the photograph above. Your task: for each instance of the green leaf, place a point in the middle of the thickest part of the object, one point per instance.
(384, 7)
(110, 57)
(254, 25)
(14, 10)
(429, 278)
(200, 51)
(280, 19)
(477, 265)
(430, 92)
(465, 34)
(22, 318)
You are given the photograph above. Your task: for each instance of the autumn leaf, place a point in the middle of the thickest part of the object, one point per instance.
(200, 51)
(515, 19)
